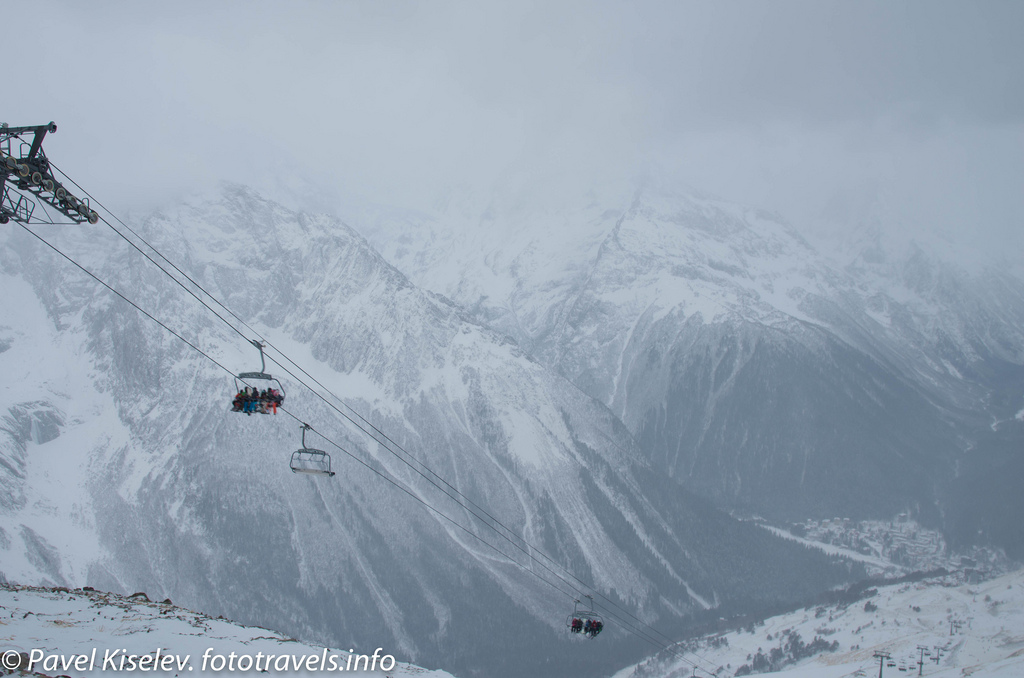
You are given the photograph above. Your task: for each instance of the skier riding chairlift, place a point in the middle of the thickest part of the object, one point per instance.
(261, 375)
(584, 621)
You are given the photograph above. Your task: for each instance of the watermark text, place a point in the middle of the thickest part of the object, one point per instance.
(160, 660)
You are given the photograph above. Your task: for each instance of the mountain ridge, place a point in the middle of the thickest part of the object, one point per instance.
(615, 297)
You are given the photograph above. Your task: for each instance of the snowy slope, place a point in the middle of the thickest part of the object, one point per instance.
(979, 627)
(56, 627)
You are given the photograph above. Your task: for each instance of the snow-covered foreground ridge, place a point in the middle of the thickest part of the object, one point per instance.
(979, 628)
(82, 632)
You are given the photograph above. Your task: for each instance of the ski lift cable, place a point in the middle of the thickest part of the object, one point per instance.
(525, 550)
(194, 295)
(363, 419)
(400, 486)
(240, 320)
(153, 261)
(624, 624)
(493, 519)
(529, 546)
(505, 556)
(577, 592)
(222, 318)
(383, 475)
(621, 622)
(491, 526)
(529, 549)
(123, 297)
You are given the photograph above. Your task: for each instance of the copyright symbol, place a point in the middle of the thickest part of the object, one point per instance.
(11, 660)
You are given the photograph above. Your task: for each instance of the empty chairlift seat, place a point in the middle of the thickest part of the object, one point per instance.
(310, 460)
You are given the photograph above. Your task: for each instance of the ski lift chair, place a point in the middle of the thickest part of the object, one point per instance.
(309, 460)
(261, 375)
(584, 615)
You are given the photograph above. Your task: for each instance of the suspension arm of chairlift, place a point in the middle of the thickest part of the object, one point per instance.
(262, 374)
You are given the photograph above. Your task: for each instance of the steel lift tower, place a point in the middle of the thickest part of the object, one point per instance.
(26, 177)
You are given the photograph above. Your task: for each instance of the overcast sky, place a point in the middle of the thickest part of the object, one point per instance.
(824, 112)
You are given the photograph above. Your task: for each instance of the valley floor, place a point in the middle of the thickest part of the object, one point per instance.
(974, 629)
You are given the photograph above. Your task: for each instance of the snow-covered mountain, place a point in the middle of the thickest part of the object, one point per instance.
(757, 370)
(124, 470)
